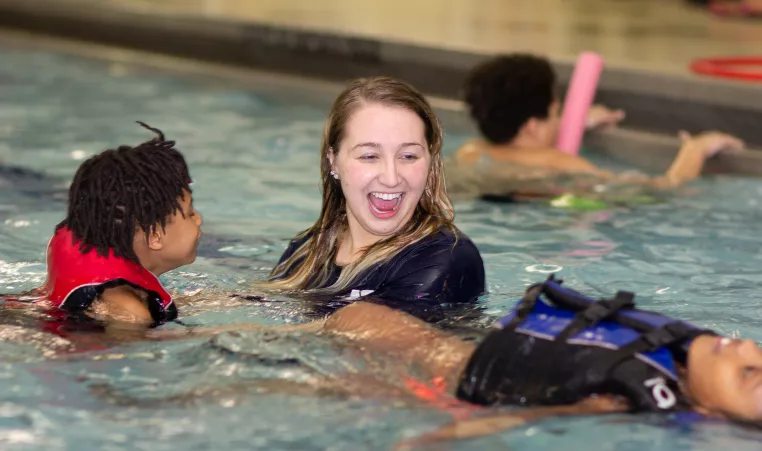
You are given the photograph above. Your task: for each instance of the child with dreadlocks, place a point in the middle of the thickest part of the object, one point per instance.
(130, 219)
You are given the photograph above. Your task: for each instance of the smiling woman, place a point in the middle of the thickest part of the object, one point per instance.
(385, 231)
(382, 180)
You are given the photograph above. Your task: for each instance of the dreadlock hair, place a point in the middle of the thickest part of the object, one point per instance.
(122, 189)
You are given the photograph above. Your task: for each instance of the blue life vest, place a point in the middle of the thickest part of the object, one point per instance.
(558, 346)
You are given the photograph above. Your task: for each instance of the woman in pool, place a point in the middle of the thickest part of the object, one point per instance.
(386, 228)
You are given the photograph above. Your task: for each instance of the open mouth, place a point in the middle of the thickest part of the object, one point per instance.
(385, 205)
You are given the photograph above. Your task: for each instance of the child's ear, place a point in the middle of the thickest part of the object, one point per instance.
(156, 239)
(530, 127)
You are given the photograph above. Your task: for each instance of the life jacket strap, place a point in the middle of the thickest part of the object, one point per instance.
(597, 312)
(651, 341)
(525, 305)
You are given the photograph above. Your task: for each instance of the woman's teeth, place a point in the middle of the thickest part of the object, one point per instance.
(386, 196)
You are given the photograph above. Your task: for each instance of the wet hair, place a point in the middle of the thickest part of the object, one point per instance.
(306, 268)
(503, 93)
(122, 190)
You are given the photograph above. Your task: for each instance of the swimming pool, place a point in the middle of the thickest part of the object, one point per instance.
(253, 156)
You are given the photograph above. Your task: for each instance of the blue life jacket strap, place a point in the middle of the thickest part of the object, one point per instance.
(650, 341)
(526, 305)
(597, 312)
(620, 309)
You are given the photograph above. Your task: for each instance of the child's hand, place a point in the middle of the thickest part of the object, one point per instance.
(712, 143)
(598, 116)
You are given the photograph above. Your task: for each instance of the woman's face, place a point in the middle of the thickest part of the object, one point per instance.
(383, 164)
(725, 377)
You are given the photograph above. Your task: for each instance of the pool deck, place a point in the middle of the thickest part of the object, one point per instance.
(659, 36)
(647, 45)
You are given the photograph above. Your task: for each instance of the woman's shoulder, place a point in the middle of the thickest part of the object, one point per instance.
(445, 266)
(448, 239)
(452, 235)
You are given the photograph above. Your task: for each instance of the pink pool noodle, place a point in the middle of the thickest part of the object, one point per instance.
(579, 97)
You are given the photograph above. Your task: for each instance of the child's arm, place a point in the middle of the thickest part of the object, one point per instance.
(601, 117)
(686, 166)
(477, 427)
(695, 151)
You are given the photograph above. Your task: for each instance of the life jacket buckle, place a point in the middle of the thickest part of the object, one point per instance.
(665, 335)
(604, 308)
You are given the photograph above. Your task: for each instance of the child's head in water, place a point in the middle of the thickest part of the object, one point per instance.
(136, 202)
(514, 96)
(724, 378)
(130, 219)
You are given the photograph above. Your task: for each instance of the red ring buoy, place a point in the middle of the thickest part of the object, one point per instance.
(728, 67)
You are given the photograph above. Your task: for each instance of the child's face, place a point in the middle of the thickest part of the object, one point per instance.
(725, 376)
(175, 246)
(182, 234)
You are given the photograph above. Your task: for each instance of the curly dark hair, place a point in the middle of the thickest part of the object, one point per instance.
(504, 92)
(120, 189)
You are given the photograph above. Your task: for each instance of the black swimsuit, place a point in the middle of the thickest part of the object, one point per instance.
(435, 270)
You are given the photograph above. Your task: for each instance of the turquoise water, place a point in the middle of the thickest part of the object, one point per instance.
(253, 157)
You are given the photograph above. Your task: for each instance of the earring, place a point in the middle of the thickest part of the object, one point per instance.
(334, 174)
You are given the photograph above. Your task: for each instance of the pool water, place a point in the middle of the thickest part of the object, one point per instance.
(253, 156)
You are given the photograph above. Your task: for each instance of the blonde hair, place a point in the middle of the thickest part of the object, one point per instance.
(306, 268)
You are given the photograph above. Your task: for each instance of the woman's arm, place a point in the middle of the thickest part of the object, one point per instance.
(210, 331)
(415, 342)
(122, 304)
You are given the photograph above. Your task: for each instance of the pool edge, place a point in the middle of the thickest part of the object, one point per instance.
(656, 104)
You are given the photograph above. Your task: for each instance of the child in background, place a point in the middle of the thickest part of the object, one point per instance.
(514, 103)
